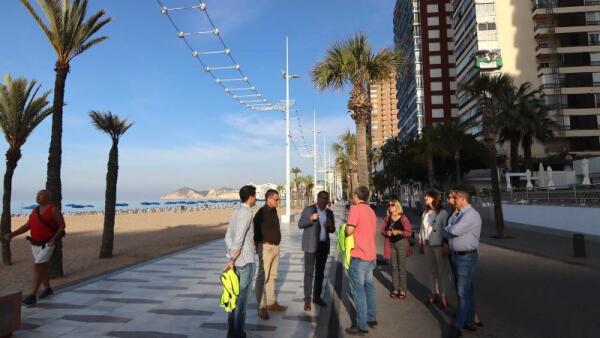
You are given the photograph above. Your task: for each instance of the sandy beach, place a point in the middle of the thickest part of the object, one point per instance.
(137, 237)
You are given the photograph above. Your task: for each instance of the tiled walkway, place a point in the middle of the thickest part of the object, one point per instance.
(173, 296)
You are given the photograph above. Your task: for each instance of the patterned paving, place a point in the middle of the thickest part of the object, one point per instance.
(173, 296)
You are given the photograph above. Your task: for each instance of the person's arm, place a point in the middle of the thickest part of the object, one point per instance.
(384, 226)
(243, 221)
(352, 222)
(57, 216)
(23, 229)
(467, 222)
(306, 219)
(256, 224)
(331, 222)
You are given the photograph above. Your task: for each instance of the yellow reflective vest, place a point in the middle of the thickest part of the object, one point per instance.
(345, 245)
(231, 290)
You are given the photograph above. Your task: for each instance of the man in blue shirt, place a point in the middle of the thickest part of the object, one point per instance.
(463, 231)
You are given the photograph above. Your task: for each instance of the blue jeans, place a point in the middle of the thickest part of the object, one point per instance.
(363, 292)
(463, 268)
(237, 317)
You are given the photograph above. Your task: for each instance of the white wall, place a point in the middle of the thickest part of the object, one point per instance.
(573, 219)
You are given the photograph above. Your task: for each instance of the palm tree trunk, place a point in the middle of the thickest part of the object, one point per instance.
(53, 182)
(514, 154)
(361, 152)
(527, 154)
(430, 171)
(496, 191)
(12, 157)
(354, 182)
(457, 166)
(106, 250)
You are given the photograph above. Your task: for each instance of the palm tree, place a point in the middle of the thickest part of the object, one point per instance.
(295, 171)
(452, 136)
(115, 127)
(70, 34)
(486, 88)
(348, 140)
(352, 62)
(427, 146)
(21, 110)
(537, 126)
(516, 105)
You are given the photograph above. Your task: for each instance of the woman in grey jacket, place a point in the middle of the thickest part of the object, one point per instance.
(433, 222)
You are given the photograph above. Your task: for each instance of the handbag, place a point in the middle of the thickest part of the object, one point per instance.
(411, 239)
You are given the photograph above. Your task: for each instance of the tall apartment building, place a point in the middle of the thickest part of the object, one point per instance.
(384, 116)
(427, 93)
(410, 118)
(567, 34)
(492, 36)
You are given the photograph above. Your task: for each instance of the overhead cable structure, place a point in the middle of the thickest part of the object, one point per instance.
(238, 85)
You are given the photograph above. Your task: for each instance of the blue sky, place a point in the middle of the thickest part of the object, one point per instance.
(187, 131)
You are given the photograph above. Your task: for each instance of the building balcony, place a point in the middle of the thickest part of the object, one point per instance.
(541, 8)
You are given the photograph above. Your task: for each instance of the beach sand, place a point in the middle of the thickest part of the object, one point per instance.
(137, 237)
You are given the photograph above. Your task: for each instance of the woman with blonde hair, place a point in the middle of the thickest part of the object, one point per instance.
(396, 229)
(433, 223)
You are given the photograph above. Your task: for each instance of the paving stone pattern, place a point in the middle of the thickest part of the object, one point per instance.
(174, 296)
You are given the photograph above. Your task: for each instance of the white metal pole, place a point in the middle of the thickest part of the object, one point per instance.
(315, 154)
(324, 165)
(287, 216)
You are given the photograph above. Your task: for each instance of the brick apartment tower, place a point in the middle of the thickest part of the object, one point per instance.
(437, 60)
(384, 116)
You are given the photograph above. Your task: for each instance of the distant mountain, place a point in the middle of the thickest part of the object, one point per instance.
(191, 194)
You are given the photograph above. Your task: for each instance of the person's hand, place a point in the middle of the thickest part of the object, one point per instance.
(314, 217)
(388, 233)
(445, 249)
(230, 264)
(51, 242)
(8, 236)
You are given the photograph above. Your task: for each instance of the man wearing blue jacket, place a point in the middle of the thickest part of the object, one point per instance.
(317, 222)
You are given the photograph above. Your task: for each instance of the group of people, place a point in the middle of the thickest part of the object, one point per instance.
(256, 239)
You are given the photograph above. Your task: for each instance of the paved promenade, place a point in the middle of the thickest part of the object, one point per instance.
(174, 296)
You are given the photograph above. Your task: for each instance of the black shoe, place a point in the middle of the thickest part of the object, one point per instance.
(319, 302)
(356, 331)
(454, 332)
(372, 324)
(30, 300)
(46, 293)
(471, 328)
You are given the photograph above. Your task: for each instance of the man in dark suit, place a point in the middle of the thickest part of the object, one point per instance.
(317, 222)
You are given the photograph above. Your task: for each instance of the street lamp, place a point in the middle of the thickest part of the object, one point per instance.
(287, 76)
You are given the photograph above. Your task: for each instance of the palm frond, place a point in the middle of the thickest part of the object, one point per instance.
(110, 124)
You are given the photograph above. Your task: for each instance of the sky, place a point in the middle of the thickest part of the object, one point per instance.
(187, 131)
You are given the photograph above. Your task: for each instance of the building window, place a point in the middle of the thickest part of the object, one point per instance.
(594, 38)
(436, 86)
(450, 45)
(434, 46)
(435, 72)
(437, 99)
(437, 113)
(433, 21)
(486, 26)
(434, 34)
(449, 8)
(432, 8)
(435, 59)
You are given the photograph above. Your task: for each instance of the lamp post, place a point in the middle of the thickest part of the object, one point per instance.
(315, 154)
(287, 216)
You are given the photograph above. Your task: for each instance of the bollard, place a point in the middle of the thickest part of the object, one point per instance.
(578, 245)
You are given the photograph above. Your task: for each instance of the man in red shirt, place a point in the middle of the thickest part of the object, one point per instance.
(46, 225)
(361, 224)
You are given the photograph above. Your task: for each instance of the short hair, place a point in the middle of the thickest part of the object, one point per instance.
(362, 193)
(246, 192)
(463, 193)
(271, 192)
(321, 193)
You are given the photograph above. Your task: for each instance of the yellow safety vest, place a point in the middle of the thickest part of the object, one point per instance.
(231, 290)
(345, 245)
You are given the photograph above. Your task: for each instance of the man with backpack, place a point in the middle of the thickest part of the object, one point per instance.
(46, 226)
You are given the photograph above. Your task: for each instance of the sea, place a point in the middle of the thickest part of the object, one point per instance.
(76, 206)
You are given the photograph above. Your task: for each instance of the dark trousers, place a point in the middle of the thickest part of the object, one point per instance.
(314, 270)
